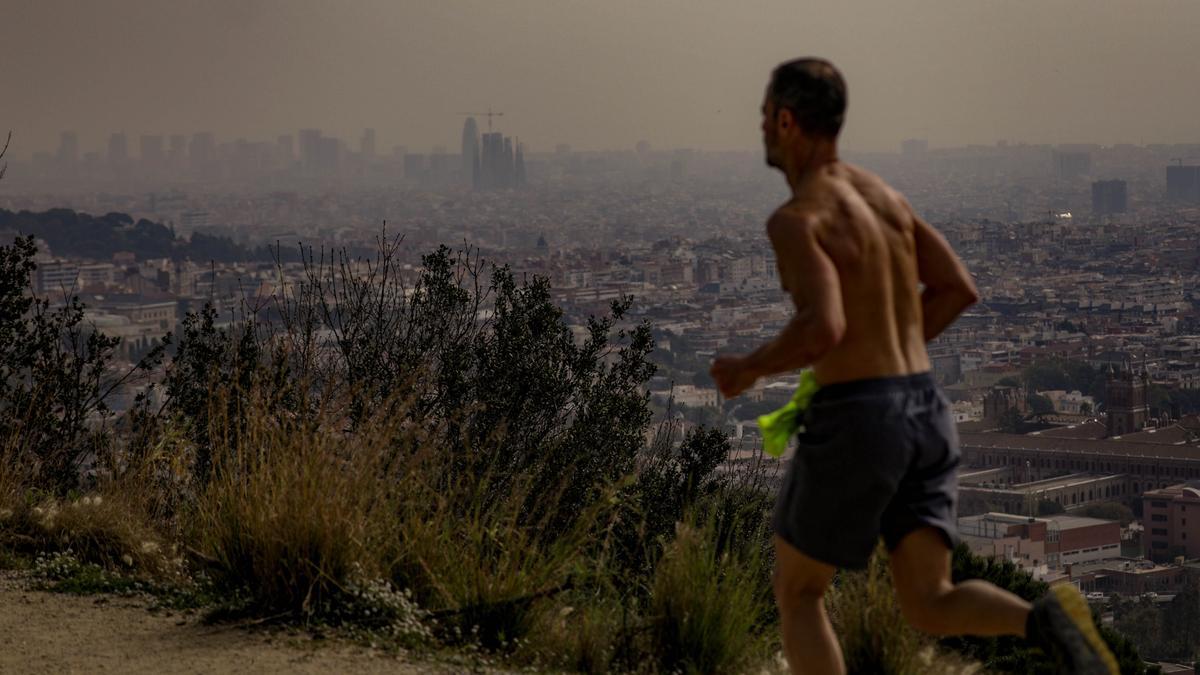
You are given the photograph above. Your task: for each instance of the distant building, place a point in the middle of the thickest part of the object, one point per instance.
(1000, 400)
(68, 149)
(519, 166)
(1041, 545)
(1072, 163)
(118, 149)
(152, 151)
(190, 221)
(329, 156)
(56, 277)
(1168, 531)
(285, 145)
(1183, 183)
(1108, 197)
(470, 153)
(416, 167)
(498, 162)
(507, 164)
(202, 153)
(366, 145)
(309, 142)
(1126, 403)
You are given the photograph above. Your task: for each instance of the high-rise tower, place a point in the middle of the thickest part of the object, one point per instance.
(470, 153)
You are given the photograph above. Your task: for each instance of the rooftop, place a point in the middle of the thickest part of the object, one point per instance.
(1114, 447)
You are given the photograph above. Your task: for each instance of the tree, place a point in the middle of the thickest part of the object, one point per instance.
(1011, 421)
(1159, 399)
(55, 377)
(1012, 654)
(1040, 405)
(1085, 408)
(1044, 375)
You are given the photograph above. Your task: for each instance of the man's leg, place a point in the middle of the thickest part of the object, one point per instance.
(808, 638)
(931, 603)
(1060, 621)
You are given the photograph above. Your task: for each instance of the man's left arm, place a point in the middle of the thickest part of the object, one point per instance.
(810, 277)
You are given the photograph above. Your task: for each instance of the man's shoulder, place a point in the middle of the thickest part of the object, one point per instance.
(791, 224)
(872, 187)
(795, 214)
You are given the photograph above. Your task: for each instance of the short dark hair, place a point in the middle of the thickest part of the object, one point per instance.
(815, 93)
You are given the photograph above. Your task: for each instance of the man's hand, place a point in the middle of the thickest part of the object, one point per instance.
(732, 376)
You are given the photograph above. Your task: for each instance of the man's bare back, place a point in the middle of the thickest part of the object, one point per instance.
(867, 231)
(854, 256)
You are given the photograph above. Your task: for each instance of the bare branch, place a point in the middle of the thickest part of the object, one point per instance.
(4, 167)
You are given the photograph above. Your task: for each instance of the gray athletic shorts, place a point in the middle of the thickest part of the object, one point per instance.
(876, 457)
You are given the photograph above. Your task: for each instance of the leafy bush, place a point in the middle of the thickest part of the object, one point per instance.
(1011, 654)
(54, 378)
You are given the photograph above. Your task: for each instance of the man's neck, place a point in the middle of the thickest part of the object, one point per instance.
(807, 164)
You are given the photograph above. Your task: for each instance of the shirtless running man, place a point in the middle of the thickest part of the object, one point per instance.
(879, 452)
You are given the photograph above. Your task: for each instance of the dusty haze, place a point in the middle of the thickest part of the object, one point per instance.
(601, 74)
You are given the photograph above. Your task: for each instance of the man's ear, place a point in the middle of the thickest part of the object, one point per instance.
(785, 118)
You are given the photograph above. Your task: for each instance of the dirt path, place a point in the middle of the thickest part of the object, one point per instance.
(52, 633)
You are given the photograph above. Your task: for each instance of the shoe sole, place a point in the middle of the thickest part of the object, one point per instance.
(1077, 610)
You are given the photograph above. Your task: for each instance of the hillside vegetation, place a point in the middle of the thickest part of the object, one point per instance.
(426, 461)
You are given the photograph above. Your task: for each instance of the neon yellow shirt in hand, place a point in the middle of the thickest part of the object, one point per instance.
(778, 427)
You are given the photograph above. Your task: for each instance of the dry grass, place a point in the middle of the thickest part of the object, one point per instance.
(106, 526)
(296, 511)
(706, 606)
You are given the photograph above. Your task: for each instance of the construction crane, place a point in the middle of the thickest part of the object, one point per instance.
(489, 115)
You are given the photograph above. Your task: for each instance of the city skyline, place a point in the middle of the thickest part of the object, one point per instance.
(1022, 72)
(130, 144)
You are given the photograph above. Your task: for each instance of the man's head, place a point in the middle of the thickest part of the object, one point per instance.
(805, 105)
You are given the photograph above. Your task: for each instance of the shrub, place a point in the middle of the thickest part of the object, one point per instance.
(54, 377)
(705, 607)
(1012, 654)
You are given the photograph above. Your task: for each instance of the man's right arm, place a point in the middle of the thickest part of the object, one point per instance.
(949, 288)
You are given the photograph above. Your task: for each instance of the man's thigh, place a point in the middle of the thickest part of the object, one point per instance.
(797, 574)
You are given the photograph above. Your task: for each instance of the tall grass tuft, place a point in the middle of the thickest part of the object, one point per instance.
(295, 511)
(476, 556)
(706, 606)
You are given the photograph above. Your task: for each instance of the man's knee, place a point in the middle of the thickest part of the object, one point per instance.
(922, 607)
(795, 588)
(798, 579)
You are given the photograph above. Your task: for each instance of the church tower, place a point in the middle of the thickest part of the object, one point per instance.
(1128, 410)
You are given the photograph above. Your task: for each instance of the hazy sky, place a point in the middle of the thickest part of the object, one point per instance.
(596, 74)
